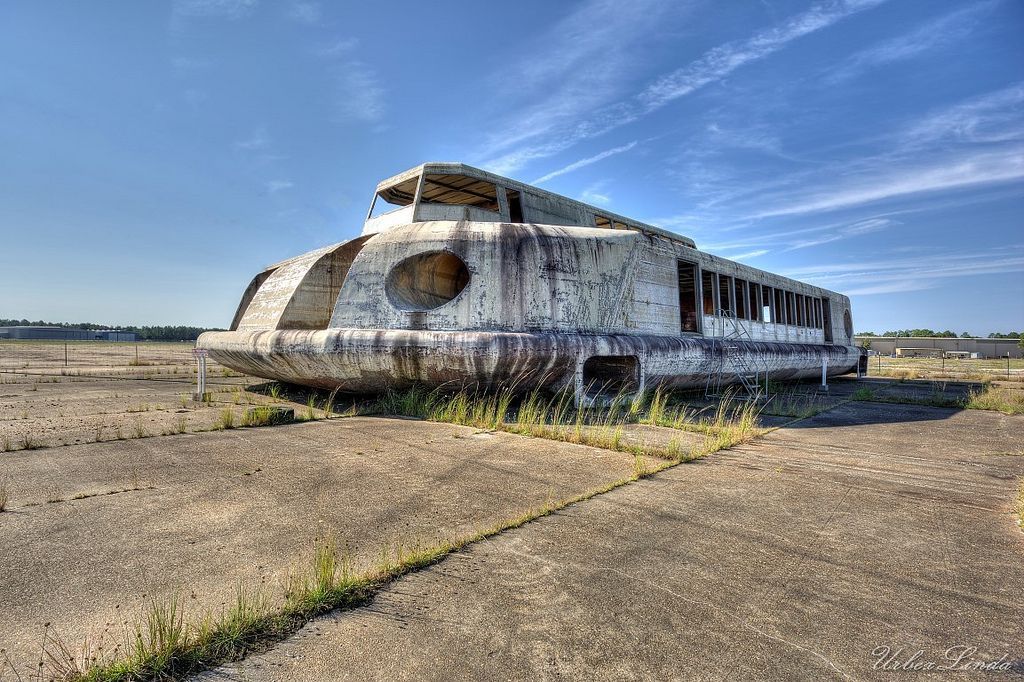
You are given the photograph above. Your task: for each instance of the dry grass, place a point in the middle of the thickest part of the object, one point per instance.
(1018, 507)
(226, 419)
(5, 492)
(557, 417)
(1005, 400)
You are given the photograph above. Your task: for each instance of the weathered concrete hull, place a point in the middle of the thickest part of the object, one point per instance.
(373, 360)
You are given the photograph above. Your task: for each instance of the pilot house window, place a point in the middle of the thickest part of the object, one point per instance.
(460, 190)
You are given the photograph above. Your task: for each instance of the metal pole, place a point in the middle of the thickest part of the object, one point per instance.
(1007, 364)
(65, 349)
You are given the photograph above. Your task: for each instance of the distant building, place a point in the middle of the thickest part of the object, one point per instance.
(909, 352)
(65, 334)
(907, 346)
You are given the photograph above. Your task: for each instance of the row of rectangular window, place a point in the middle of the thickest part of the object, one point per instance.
(759, 302)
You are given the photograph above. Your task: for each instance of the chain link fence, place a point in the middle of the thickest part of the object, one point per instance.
(82, 355)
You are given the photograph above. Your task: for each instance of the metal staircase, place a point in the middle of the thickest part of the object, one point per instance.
(730, 364)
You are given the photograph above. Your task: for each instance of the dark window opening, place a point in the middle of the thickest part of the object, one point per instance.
(460, 190)
(790, 308)
(780, 307)
(611, 375)
(689, 320)
(707, 282)
(755, 302)
(817, 313)
(741, 299)
(800, 321)
(515, 206)
(725, 293)
(826, 309)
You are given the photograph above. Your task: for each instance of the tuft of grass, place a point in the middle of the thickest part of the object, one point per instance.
(274, 391)
(5, 443)
(262, 415)
(181, 424)
(138, 429)
(5, 492)
(559, 418)
(863, 393)
(1005, 400)
(1019, 505)
(30, 442)
(227, 419)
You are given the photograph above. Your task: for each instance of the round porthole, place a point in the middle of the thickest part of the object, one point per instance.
(848, 323)
(426, 281)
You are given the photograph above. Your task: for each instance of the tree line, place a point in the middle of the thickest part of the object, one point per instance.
(171, 332)
(941, 335)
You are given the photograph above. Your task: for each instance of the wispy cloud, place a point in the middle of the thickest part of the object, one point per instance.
(933, 34)
(305, 12)
(957, 172)
(914, 273)
(805, 237)
(748, 255)
(595, 195)
(565, 125)
(724, 59)
(359, 96)
(577, 66)
(993, 117)
(227, 9)
(576, 165)
(275, 186)
(259, 140)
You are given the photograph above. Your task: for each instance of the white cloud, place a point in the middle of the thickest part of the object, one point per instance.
(258, 141)
(993, 117)
(576, 165)
(275, 186)
(228, 9)
(305, 12)
(358, 94)
(952, 172)
(856, 229)
(909, 273)
(748, 255)
(936, 33)
(574, 68)
(724, 59)
(338, 47)
(569, 116)
(594, 195)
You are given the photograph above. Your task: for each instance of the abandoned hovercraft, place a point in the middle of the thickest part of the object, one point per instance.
(463, 277)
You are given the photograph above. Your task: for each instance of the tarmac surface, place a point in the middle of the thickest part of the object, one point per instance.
(92, 531)
(835, 548)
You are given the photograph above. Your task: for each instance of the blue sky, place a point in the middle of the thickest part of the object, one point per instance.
(155, 155)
